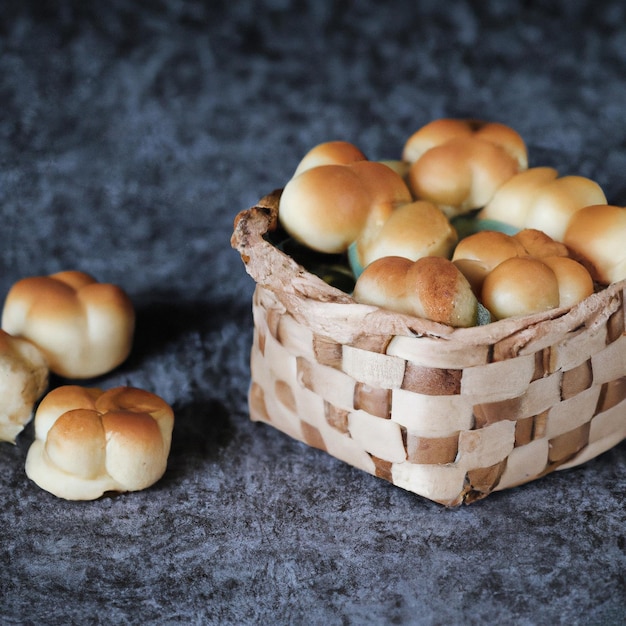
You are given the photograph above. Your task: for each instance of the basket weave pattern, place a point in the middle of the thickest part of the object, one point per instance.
(449, 414)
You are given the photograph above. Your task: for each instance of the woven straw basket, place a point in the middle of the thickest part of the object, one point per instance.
(449, 414)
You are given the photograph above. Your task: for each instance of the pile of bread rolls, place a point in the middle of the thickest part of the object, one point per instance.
(458, 225)
(87, 441)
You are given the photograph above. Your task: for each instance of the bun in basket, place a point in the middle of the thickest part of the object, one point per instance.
(460, 164)
(597, 235)
(537, 198)
(327, 207)
(431, 288)
(412, 231)
(88, 441)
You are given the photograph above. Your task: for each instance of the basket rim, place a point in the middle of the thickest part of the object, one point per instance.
(325, 306)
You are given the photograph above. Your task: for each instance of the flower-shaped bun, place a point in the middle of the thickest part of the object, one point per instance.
(459, 164)
(539, 199)
(88, 442)
(521, 274)
(326, 207)
(412, 230)
(84, 328)
(23, 380)
(431, 288)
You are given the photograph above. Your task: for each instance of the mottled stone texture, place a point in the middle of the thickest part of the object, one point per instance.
(131, 133)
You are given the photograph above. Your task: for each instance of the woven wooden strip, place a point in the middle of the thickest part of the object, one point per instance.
(498, 381)
(576, 380)
(612, 393)
(309, 406)
(347, 449)
(569, 444)
(524, 431)
(571, 413)
(380, 437)
(577, 347)
(432, 381)
(327, 351)
(336, 417)
(606, 430)
(481, 481)
(295, 338)
(525, 463)
(372, 368)
(373, 400)
(438, 353)
(540, 395)
(442, 483)
(431, 416)
(330, 384)
(280, 361)
(487, 446)
(429, 450)
(610, 364)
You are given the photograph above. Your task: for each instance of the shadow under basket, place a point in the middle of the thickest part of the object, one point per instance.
(449, 414)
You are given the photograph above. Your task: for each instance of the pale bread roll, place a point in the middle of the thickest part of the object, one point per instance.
(431, 288)
(83, 328)
(520, 286)
(525, 285)
(412, 231)
(327, 207)
(23, 380)
(459, 164)
(597, 236)
(575, 282)
(89, 442)
(330, 153)
(539, 199)
(477, 255)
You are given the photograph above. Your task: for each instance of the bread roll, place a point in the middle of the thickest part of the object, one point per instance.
(459, 165)
(597, 236)
(412, 231)
(327, 207)
(538, 245)
(520, 286)
(88, 441)
(330, 153)
(477, 255)
(538, 199)
(575, 282)
(431, 288)
(23, 380)
(83, 328)
(442, 130)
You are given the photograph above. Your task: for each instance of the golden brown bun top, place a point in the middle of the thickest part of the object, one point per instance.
(412, 230)
(88, 441)
(431, 288)
(459, 164)
(327, 207)
(597, 236)
(440, 131)
(330, 153)
(539, 199)
(537, 244)
(83, 327)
